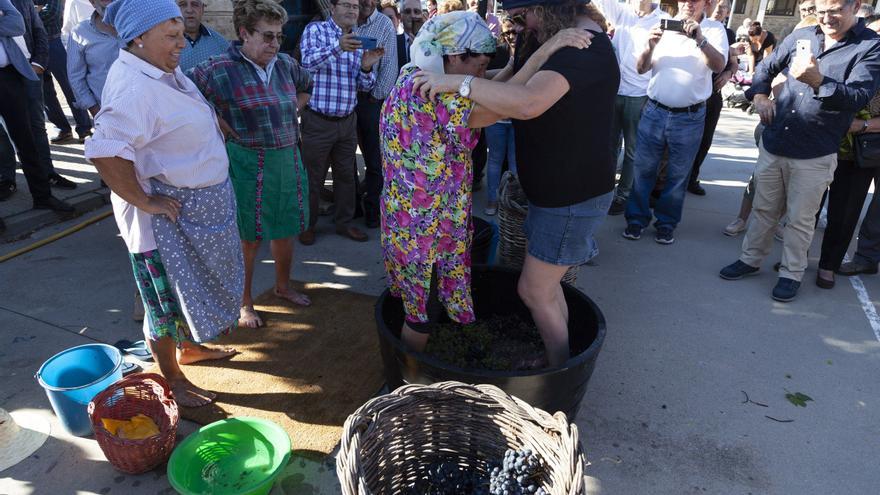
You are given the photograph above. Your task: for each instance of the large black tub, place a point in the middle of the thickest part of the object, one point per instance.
(494, 292)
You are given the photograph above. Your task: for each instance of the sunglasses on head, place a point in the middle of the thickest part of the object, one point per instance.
(519, 18)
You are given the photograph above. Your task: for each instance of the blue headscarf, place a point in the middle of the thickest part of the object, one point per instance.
(132, 18)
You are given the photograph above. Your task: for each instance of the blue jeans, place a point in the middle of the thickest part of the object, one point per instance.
(499, 137)
(58, 69)
(660, 129)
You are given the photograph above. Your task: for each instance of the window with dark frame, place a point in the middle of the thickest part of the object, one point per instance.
(781, 7)
(740, 7)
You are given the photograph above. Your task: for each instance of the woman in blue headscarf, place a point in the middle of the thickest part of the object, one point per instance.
(158, 146)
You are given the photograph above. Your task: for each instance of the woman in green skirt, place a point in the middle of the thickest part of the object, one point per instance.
(257, 92)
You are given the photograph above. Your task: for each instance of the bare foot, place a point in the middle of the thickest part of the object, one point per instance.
(293, 296)
(248, 317)
(196, 352)
(188, 395)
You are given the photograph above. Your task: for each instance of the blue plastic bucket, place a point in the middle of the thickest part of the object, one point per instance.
(72, 378)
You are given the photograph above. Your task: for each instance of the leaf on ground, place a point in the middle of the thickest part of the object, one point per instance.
(798, 399)
(788, 376)
(829, 362)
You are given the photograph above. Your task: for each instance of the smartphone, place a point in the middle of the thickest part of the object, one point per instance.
(367, 43)
(672, 25)
(803, 49)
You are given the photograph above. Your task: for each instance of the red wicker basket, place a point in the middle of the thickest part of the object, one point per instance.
(141, 393)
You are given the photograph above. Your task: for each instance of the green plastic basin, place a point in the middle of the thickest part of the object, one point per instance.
(235, 456)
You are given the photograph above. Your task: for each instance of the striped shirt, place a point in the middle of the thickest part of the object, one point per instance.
(162, 124)
(262, 113)
(208, 44)
(337, 74)
(90, 54)
(379, 26)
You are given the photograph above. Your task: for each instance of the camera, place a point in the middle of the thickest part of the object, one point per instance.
(672, 25)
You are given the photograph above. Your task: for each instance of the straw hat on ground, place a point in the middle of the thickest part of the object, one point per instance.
(21, 434)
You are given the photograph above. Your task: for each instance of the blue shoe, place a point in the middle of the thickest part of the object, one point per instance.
(633, 232)
(786, 289)
(664, 236)
(738, 270)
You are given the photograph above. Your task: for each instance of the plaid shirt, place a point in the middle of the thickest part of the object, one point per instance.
(379, 26)
(208, 44)
(337, 73)
(263, 115)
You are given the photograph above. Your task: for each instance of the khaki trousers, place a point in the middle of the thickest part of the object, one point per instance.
(786, 184)
(327, 143)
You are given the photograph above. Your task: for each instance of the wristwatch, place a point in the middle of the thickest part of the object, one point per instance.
(701, 44)
(465, 88)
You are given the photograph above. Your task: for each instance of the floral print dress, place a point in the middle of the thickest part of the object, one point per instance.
(426, 199)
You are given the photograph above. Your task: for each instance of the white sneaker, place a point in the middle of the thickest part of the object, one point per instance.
(735, 227)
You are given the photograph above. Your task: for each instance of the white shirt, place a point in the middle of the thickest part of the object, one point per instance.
(680, 76)
(163, 124)
(630, 40)
(265, 75)
(75, 11)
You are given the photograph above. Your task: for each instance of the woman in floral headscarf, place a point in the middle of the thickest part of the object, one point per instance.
(426, 150)
(426, 198)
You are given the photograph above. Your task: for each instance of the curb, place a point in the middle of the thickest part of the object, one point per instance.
(21, 225)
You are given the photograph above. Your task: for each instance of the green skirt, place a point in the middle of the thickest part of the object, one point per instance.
(272, 191)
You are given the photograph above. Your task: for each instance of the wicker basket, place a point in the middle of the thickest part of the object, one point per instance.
(388, 443)
(512, 210)
(141, 393)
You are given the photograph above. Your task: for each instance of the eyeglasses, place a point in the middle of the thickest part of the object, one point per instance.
(269, 37)
(348, 6)
(808, 10)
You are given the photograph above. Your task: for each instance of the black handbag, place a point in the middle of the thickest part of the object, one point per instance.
(866, 148)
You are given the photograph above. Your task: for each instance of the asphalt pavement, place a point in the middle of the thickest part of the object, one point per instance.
(666, 411)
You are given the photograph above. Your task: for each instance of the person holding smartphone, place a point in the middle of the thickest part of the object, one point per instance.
(340, 68)
(681, 54)
(832, 76)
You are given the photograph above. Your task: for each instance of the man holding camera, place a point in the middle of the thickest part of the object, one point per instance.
(833, 71)
(682, 54)
(340, 67)
(375, 27)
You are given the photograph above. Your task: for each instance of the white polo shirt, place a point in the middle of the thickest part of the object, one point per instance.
(680, 76)
(630, 40)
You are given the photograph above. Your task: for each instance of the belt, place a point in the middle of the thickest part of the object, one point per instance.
(331, 118)
(692, 108)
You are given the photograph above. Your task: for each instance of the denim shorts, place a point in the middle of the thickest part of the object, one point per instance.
(564, 236)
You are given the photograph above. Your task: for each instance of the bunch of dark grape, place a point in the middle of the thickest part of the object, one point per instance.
(519, 474)
(447, 477)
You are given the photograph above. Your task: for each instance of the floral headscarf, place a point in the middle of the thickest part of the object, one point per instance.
(450, 34)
